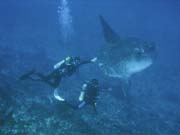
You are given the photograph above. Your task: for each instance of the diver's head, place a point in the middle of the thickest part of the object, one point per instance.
(68, 60)
(94, 82)
(77, 59)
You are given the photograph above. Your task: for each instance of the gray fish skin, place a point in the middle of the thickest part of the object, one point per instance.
(123, 57)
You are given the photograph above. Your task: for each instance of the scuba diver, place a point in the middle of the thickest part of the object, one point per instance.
(88, 96)
(66, 67)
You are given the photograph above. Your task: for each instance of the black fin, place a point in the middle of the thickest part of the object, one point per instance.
(26, 75)
(109, 35)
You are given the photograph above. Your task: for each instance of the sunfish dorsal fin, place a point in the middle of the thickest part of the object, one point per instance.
(109, 35)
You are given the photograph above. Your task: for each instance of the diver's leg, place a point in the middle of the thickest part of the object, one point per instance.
(35, 76)
(54, 82)
(34, 79)
(73, 106)
(41, 76)
(52, 79)
(27, 75)
(76, 107)
(81, 105)
(94, 106)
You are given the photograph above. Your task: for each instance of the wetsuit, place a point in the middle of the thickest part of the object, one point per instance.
(89, 95)
(54, 78)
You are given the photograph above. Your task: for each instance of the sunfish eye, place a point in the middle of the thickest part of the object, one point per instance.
(136, 50)
(149, 47)
(139, 50)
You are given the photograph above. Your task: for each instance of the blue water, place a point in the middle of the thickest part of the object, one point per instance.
(31, 36)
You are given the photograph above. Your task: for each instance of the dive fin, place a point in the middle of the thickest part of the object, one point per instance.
(109, 34)
(56, 95)
(26, 75)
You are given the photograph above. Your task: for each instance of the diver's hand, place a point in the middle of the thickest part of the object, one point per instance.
(94, 59)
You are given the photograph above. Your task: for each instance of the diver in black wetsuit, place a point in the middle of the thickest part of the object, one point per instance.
(66, 67)
(88, 96)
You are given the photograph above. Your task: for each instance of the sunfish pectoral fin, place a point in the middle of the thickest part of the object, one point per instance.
(109, 34)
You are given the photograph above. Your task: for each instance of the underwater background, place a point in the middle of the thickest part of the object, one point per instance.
(39, 33)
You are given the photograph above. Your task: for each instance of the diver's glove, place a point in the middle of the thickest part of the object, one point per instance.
(94, 59)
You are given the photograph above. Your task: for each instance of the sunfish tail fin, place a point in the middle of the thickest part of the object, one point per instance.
(109, 34)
